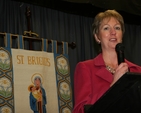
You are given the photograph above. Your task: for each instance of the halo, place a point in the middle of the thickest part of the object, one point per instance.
(37, 75)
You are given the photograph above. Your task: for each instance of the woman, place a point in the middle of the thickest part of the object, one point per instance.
(94, 77)
(38, 105)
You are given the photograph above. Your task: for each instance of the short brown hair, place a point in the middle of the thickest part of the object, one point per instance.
(107, 14)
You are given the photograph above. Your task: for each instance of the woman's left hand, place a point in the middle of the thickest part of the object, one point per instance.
(120, 71)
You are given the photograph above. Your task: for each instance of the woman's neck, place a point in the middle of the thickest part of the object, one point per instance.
(110, 59)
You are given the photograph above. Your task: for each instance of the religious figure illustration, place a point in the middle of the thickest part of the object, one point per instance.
(37, 95)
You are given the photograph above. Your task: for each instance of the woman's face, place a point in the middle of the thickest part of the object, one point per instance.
(37, 82)
(110, 33)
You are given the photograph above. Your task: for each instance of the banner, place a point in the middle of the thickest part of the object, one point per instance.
(6, 81)
(34, 81)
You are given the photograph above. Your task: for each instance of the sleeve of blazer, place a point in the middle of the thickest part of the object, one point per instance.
(82, 87)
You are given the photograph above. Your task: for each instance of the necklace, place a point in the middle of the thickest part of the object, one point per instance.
(112, 70)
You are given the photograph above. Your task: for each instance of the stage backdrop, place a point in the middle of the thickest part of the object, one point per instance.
(34, 80)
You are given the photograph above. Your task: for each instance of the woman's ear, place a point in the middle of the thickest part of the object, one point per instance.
(97, 38)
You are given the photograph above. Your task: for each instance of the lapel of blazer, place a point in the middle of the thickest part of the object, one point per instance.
(102, 72)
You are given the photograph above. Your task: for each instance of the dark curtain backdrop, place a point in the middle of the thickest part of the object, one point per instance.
(130, 6)
(61, 26)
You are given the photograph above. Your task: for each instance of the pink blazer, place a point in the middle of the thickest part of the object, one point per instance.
(92, 80)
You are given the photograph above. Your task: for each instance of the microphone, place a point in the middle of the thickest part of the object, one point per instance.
(120, 52)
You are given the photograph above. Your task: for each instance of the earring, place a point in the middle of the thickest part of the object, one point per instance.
(98, 41)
